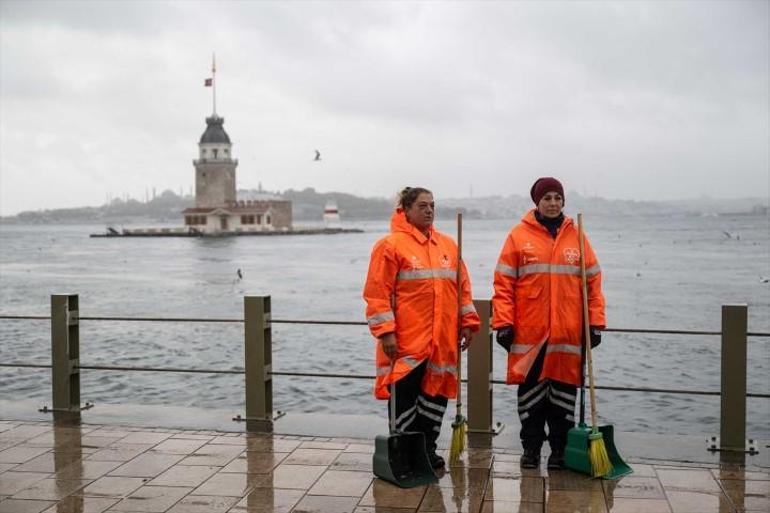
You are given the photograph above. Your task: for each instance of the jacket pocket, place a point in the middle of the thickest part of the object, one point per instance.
(529, 307)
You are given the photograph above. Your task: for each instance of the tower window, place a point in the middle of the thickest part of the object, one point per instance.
(215, 152)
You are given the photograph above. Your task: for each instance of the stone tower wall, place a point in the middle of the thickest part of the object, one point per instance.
(215, 183)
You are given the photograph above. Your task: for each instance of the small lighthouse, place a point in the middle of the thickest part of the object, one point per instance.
(331, 215)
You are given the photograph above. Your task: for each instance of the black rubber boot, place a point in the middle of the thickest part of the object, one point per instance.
(530, 458)
(556, 459)
(436, 461)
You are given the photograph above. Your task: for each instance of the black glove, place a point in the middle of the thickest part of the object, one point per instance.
(596, 336)
(505, 338)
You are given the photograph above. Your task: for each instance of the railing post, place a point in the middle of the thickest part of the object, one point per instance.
(733, 418)
(258, 361)
(480, 373)
(65, 353)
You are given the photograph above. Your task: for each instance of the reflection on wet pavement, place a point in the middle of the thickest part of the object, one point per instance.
(84, 469)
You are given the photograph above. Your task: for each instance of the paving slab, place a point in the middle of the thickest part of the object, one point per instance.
(143, 469)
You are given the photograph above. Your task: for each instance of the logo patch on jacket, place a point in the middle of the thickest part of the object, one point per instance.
(416, 264)
(528, 255)
(571, 255)
(445, 261)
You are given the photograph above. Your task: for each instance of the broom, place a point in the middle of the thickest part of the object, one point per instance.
(597, 452)
(460, 424)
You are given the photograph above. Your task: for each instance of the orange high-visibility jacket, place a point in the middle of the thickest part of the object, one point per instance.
(538, 291)
(411, 291)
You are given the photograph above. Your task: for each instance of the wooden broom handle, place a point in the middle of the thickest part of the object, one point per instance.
(459, 305)
(586, 327)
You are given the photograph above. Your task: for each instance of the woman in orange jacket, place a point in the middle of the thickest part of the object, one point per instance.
(537, 307)
(411, 308)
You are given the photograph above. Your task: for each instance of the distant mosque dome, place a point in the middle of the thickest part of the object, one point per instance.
(215, 133)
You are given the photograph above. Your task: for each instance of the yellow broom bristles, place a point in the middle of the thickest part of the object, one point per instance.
(600, 460)
(458, 441)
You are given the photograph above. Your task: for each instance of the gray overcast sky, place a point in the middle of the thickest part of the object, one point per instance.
(643, 100)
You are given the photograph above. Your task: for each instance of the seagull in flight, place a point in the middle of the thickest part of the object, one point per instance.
(317, 156)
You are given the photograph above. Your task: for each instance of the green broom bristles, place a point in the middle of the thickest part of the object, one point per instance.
(600, 460)
(458, 439)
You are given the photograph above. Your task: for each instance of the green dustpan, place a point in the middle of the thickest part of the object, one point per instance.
(577, 454)
(402, 458)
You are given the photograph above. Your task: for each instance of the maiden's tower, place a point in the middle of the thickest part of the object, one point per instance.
(217, 208)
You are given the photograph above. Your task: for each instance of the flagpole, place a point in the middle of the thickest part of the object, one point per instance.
(214, 80)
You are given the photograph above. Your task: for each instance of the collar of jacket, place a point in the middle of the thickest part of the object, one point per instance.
(530, 219)
(398, 223)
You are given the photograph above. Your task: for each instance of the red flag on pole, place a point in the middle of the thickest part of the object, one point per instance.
(208, 82)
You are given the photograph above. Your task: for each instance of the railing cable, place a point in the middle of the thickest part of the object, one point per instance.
(356, 376)
(345, 323)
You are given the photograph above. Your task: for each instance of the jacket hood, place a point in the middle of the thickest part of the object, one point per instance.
(398, 223)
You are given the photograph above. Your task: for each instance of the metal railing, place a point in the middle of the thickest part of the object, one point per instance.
(258, 371)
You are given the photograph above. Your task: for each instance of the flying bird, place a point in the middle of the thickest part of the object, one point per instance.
(764, 279)
(240, 274)
(317, 155)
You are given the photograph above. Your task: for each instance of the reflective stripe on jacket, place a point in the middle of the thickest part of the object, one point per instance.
(411, 291)
(538, 292)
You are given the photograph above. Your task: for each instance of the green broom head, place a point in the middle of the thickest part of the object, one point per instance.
(458, 438)
(597, 453)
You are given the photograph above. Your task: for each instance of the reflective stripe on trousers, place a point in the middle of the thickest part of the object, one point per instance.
(545, 402)
(545, 391)
(416, 411)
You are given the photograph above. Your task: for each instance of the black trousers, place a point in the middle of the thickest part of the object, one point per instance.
(546, 402)
(416, 411)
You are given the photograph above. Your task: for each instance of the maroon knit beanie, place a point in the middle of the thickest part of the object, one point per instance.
(543, 186)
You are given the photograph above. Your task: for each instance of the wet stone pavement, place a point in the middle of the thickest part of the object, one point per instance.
(91, 469)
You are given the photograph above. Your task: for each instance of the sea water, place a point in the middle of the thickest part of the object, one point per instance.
(659, 272)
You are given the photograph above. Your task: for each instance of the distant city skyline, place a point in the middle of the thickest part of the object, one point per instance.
(627, 100)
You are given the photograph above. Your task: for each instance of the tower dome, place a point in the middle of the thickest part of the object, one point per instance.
(215, 133)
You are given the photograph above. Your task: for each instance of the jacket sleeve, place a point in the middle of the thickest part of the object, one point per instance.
(379, 287)
(595, 296)
(470, 318)
(504, 299)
